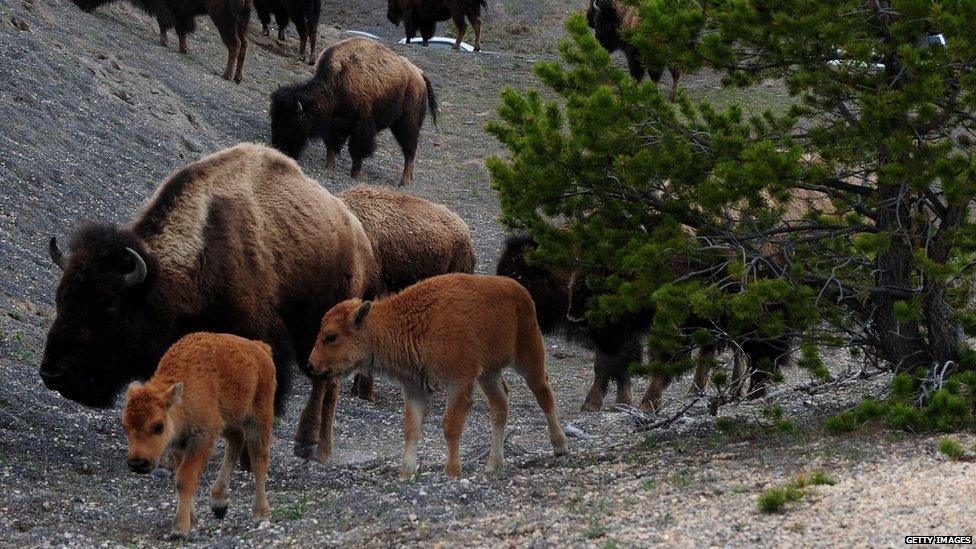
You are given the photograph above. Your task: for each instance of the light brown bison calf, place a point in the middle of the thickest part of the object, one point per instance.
(206, 385)
(448, 331)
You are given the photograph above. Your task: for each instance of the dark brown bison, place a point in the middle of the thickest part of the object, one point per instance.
(305, 15)
(423, 15)
(239, 242)
(360, 88)
(230, 17)
(561, 300)
(607, 18)
(412, 240)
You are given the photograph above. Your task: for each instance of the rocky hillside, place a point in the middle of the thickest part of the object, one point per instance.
(94, 113)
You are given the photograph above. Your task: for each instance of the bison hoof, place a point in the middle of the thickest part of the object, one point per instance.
(591, 406)
(304, 451)
(238, 79)
(265, 32)
(281, 35)
(219, 511)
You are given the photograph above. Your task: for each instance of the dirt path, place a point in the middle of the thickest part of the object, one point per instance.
(95, 113)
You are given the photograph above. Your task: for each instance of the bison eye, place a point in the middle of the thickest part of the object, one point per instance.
(158, 428)
(330, 338)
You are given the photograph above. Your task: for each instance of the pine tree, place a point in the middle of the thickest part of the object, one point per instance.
(690, 210)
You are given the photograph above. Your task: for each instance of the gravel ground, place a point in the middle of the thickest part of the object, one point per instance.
(95, 113)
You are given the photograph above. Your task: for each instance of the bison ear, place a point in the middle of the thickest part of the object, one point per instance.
(175, 395)
(361, 313)
(134, 386)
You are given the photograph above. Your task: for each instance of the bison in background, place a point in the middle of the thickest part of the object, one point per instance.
(305, 15)
(561, 300)
(607, 18)
(230, 17)
(423, 15)
(360, 88)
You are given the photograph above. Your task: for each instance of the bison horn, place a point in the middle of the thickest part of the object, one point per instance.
(298, 106)
(138, 274)
(595, 5)
(56, 256)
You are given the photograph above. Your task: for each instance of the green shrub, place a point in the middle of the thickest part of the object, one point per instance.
(774, 500)
(951, 448)
(819, 478)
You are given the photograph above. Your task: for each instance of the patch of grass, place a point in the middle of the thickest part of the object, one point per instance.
(740, 489)
(680, 479)
(819, 478)
(611, 544)
(291, 511)
(725, 425)
(23, 352)
(648, 484)
(797, 528)
(595, 529)
(15, 314)
(774, 500)
(951, 448)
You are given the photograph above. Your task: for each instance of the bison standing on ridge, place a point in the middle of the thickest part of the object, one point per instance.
(360, 88)
(230, 16)
(304, 13)
(423, 15)
(607, 18)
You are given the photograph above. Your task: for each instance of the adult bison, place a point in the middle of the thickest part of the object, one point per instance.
(423, 15)
(304, 13)
(230, 16)
(360, 88)
(412, 239)
(562, 299)
(241, 242)
(607, 18)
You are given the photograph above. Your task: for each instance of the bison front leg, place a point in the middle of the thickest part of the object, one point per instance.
(415, 406)
(163, 30)
(457, 408)
(462, 27)
(187, 480)
(324, 449)
(598, 391)
(363, 387)
(307, 434)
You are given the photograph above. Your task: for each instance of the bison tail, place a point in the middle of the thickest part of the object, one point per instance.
(431, 100)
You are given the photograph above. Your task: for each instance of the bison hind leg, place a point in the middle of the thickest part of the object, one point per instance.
(362, 144)
(406, 130)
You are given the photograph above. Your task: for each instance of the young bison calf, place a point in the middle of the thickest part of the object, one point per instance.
(448, 331)
(206, 385)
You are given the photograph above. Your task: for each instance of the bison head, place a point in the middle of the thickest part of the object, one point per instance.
(603, 18)
(611, 335)
(339, 348)
(394, 11)
(293, 116)
(148, 423)
(106, 332)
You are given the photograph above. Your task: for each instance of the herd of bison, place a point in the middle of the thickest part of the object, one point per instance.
(240, 270)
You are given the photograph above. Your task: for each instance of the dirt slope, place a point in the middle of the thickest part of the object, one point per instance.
(94, 113)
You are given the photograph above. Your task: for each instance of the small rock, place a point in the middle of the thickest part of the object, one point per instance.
(19, 23)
